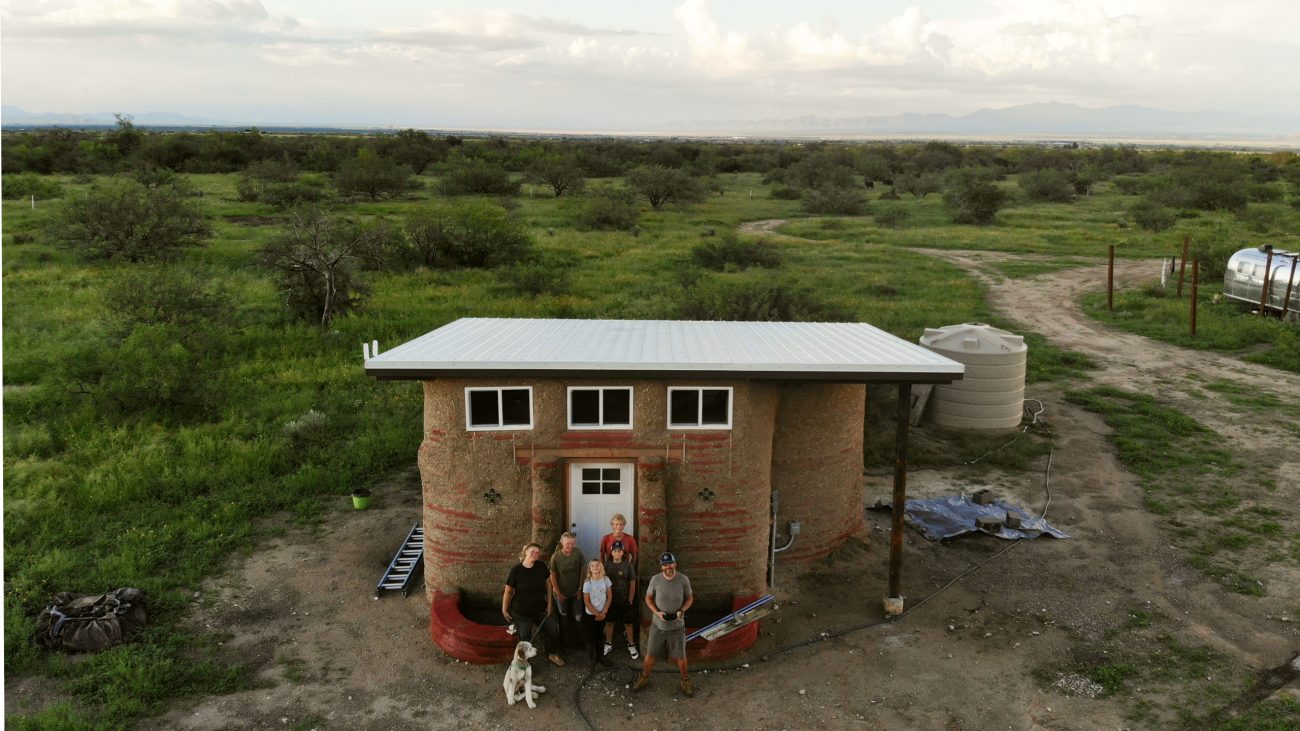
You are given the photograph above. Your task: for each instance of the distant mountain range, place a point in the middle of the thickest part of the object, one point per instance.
(14, 115)
(1040, 119)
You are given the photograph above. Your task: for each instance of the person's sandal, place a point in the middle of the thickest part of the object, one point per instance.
(688, 689)
(609, 647)
(631, 650)
(641, 682)
(557, 660)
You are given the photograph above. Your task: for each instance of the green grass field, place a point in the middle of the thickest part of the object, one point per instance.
(96, 501)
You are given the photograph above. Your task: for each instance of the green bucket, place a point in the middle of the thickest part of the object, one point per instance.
(360, 499)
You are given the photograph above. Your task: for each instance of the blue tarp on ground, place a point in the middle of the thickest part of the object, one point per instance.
(948, 517)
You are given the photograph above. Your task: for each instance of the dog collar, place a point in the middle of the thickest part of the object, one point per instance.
(518, 665)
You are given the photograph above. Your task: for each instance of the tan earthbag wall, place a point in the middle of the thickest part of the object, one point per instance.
(817, 466)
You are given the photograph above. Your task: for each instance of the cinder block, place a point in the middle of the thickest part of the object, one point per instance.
(987, 523)
(1013, 520)
(982, 497)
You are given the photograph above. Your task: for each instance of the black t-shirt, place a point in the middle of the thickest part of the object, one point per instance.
(530, 588)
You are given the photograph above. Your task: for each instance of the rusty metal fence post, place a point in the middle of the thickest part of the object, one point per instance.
(1110, 278)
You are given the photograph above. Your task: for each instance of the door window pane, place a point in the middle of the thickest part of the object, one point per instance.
(590, 488)
(611, 488)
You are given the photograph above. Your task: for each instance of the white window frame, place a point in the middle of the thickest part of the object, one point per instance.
(469, 424)
(699, 416)
(631, 408)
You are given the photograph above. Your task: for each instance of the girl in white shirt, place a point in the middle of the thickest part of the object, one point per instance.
(596, 597)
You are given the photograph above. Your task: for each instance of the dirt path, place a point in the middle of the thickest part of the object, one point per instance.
(326, 655)
(1049, 305)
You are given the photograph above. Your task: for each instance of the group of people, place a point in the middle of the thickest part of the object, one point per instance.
(572, 600)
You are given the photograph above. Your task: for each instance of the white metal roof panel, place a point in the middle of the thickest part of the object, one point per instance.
(663, 348)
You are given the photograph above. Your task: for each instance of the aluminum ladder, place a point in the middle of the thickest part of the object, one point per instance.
(402, 570)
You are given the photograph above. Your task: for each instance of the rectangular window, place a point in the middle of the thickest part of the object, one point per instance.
(699, 408)
(600, 407)
(498, 408)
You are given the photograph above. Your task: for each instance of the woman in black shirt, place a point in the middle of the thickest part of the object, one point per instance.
(526, 601)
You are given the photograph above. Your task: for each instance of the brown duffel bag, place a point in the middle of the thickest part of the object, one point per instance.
(81, 623)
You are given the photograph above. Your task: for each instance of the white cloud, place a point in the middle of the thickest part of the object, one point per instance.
(776, 60)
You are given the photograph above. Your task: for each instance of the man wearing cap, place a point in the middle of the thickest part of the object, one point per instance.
(668, 596)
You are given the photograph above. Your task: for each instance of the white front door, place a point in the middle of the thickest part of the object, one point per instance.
(597, 490)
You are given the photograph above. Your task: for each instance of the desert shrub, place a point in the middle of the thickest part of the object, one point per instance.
(891, 216)
(542, 275)
(757, 300)
(835, 201)
(1128, 184)
(785, 193)
(1213, 249)
(607, 210)
(1264, 192)
(1047, 186)
(562, 174)
(971, 197)
(472, 176)
(374, 177)
(316, 261)
(1152, 216)
(122, 219)
(919, 185)
(661, 185)
(729, 252)
(469, 233)
(163, 329)
(1260, 219)
(304, 190)
(26, 185)
(889, 195)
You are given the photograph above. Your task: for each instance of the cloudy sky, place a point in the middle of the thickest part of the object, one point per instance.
(602, 65)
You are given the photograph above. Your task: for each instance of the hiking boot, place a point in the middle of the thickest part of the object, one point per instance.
(641, 682)
(631, 650)
(688, 689)
(557, 660)
(609, 647)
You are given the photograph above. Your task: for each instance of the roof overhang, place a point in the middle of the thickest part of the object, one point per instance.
(663, 350)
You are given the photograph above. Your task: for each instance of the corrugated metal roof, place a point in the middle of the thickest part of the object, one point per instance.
(664, 349)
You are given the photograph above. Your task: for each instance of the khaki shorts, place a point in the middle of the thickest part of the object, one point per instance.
(672, 640)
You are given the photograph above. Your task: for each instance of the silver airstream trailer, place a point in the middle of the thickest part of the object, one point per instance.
(1245, 277)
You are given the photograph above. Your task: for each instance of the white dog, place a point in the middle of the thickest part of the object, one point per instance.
(519, 677)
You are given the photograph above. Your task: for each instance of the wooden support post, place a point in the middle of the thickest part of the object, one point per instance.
(1268, 279)
(900, 490)
(1196, 276)
(1290, 281)
(1110, 278)
(1182, 265)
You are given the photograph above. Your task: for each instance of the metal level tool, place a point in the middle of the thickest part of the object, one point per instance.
(751, 612)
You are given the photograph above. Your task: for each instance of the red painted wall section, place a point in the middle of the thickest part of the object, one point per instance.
(817, 466)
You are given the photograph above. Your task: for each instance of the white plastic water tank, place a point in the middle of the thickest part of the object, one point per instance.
(992, 393)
